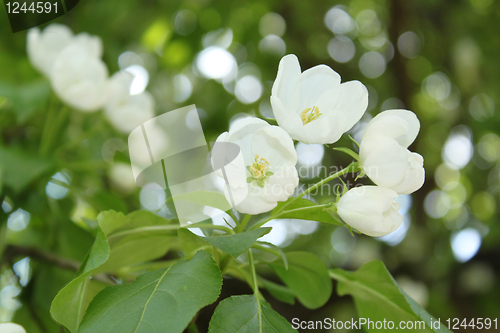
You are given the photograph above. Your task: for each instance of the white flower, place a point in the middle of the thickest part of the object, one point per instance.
(125, 111)
(11, 328)
(384, 154)
(269, 156)
(313, 107)
(79, 78)
(44, 47)
(371, 210)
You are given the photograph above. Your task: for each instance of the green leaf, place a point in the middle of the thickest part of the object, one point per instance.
(138, 237)
(378, 297)
(190, 242)
(304, 209)
(121, 241)
(240, 314)
(161, 301)
(236, 244)
(69, 306)
(26, 98)
(20, 168)
(278, 291)
(307, 277)
(103, 200)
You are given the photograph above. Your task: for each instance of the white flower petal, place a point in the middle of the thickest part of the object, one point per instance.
(80, 79)
(281, 184)
(254, 203)
(136, 110)
(118, 89)
(325, 129)
(313, 107)
(272, 148)
(353, 103)
(326, 102)
(286, 80)
(415, 175)
(311, 85)
(44, 47)
(371, 210)
(376, 199)
(401, 125)
(384, 154)
(275, 145)
(289, 121)
(242, 132)
(384, 160)
(93, 44)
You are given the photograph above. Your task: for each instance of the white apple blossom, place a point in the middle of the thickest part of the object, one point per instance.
(269, 156)
(124, 111)
(44, 47)
(11, 328)
(79, 78)
(371, 210)
(313, 106)
(384, 153)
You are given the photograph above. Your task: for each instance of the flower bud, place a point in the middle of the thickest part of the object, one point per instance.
(384, 155)
(371, 210)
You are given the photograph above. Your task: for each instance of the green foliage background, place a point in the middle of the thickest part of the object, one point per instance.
(458, 38)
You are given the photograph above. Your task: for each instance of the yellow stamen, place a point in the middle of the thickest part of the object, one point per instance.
(309, 115)
(259, 167)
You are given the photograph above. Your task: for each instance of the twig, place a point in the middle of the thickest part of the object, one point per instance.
(12, 251)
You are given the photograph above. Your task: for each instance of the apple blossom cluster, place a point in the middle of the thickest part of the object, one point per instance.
(80, 78)
(315, 107)
(312, 107)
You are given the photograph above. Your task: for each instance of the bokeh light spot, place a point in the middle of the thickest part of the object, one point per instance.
(372, 64)
(216, 63)
(465, 244)
(341, 49)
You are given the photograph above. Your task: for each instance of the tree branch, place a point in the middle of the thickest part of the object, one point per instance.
(12, 251)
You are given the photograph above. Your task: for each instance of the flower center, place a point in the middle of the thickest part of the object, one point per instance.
(310, 114)
(258, 171)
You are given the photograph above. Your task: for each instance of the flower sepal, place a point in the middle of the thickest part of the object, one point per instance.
(348, 152)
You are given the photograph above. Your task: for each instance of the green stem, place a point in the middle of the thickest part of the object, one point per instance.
(170, 227)
(255, 287)
(244, 223)
(54, 130)
(351, 167)
(150, 228)
(266, 249)
(277, 215)
(210, 226)
(231, 214)
(301, 209)
(51, 113)
(354, 166)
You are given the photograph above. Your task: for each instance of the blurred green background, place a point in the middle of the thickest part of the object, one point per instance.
(438, 58)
